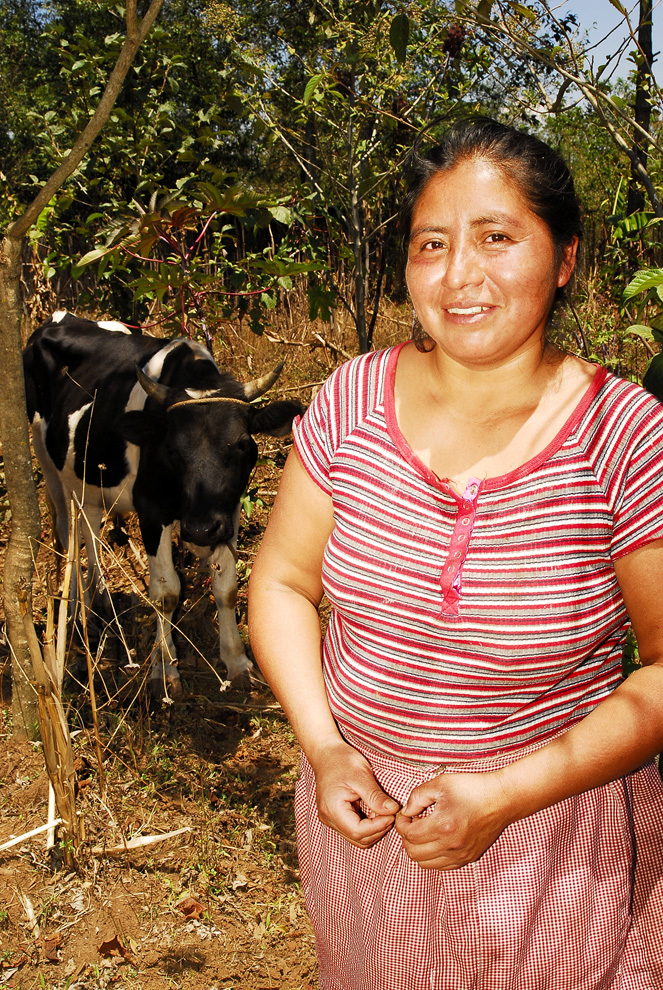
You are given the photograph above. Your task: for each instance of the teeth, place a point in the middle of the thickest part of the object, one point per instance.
(470, 311)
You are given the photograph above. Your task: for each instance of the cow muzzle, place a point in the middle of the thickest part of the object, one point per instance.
(208, 533)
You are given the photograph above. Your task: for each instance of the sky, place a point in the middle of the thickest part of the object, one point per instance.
(598, 17)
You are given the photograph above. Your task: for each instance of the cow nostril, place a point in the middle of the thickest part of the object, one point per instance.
(207, 534)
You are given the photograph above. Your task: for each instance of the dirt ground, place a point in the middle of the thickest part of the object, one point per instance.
(217, 906)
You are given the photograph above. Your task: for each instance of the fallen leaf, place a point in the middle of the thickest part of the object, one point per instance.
(50, 944)
(191, 908)
(114, 949)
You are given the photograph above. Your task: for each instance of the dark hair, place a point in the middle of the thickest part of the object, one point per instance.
(541, 175)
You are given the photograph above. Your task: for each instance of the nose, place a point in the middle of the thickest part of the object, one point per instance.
(207, 532)
(463, 267)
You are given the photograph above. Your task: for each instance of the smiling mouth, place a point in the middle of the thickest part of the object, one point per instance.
(467, 311)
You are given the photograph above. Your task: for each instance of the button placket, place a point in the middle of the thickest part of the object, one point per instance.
(451, 571)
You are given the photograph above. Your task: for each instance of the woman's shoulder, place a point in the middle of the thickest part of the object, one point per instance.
(366, 364)
(628, 396)
(621, 416)
(361, 375)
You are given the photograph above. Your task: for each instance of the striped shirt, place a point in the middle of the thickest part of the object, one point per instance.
(466, 627)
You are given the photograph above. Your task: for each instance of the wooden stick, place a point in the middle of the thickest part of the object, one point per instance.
(29, 835)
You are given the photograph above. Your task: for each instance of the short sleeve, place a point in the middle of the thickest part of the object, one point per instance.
(638, 509)
(313, 436)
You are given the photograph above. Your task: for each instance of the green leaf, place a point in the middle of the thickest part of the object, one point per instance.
(484, 10)
(281, 213)
(640, 330)
(642, 281)
(524, 11)
(311, 87)
(399, 34)
(618, 6)
(91, 256)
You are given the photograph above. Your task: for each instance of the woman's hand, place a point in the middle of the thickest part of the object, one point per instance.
(468, 812)
(343, 780)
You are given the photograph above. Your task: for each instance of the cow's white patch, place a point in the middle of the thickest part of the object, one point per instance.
(113, 325)
(154, 366)
(59, 315)
(197, 393)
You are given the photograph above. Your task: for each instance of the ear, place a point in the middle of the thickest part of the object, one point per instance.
(140, 427)
(274, 419)
(568, 262)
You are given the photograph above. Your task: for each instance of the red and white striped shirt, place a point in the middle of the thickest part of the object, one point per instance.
(469, 627)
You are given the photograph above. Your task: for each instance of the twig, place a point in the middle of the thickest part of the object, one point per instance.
(332, 347)
(50, 837)
(29, 835)
(137, 843)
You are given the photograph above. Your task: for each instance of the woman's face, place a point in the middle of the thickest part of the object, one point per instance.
(481, 266)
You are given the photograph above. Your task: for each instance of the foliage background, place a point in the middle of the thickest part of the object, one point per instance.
(258, 146)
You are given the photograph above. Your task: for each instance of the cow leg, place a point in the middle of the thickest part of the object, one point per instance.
(58, 502)
(165, 593)
(95, 592)
(224, 589)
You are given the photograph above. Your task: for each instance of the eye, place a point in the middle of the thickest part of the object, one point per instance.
(432, 245)
(497, 237)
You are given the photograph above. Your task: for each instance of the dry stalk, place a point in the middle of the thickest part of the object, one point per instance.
(61, 645)
(89, 661)
(31, 834)
(58, 753)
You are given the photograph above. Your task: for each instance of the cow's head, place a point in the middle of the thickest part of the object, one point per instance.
(202, 445)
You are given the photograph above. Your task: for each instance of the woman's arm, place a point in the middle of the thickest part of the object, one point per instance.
(621, 734)
(284, 594)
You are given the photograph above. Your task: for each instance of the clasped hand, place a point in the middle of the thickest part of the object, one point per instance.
(465, 812)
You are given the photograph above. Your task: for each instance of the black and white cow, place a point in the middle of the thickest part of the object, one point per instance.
(126, 422)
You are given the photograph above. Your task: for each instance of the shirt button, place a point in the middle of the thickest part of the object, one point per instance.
(465, 521)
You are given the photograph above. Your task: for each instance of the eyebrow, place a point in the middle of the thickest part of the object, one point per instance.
(482, 221)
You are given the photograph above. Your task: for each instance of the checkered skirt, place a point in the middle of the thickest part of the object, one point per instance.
(570, 898)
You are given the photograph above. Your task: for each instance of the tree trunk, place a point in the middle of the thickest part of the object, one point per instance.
(636, 196)
(25, 526)
(13, 421)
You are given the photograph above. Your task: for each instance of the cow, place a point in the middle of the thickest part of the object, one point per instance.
(124, 421)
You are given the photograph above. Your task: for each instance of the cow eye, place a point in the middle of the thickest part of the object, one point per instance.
(242, 445)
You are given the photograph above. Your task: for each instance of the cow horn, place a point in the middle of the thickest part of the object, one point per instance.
(260, 385)
(160, 393)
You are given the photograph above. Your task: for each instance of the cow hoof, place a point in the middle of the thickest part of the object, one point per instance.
(166, 684)
(241, 682)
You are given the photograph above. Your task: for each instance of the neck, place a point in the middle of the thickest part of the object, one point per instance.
(490, 387)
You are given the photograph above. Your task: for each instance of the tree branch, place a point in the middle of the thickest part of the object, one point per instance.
(136, 34)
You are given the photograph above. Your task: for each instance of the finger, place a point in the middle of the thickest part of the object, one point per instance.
(377, 802)
(421, 797)
(366, 836)
(344, 817)
(432, 856)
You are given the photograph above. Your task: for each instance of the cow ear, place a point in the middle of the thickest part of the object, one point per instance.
(140, 427)
(274, 419)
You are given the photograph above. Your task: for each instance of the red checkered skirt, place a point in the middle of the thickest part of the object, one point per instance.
(570, 898)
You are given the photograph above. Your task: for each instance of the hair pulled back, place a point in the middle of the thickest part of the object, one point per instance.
(540, 174)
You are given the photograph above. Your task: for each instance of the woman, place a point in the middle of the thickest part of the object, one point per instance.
(478, 806)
